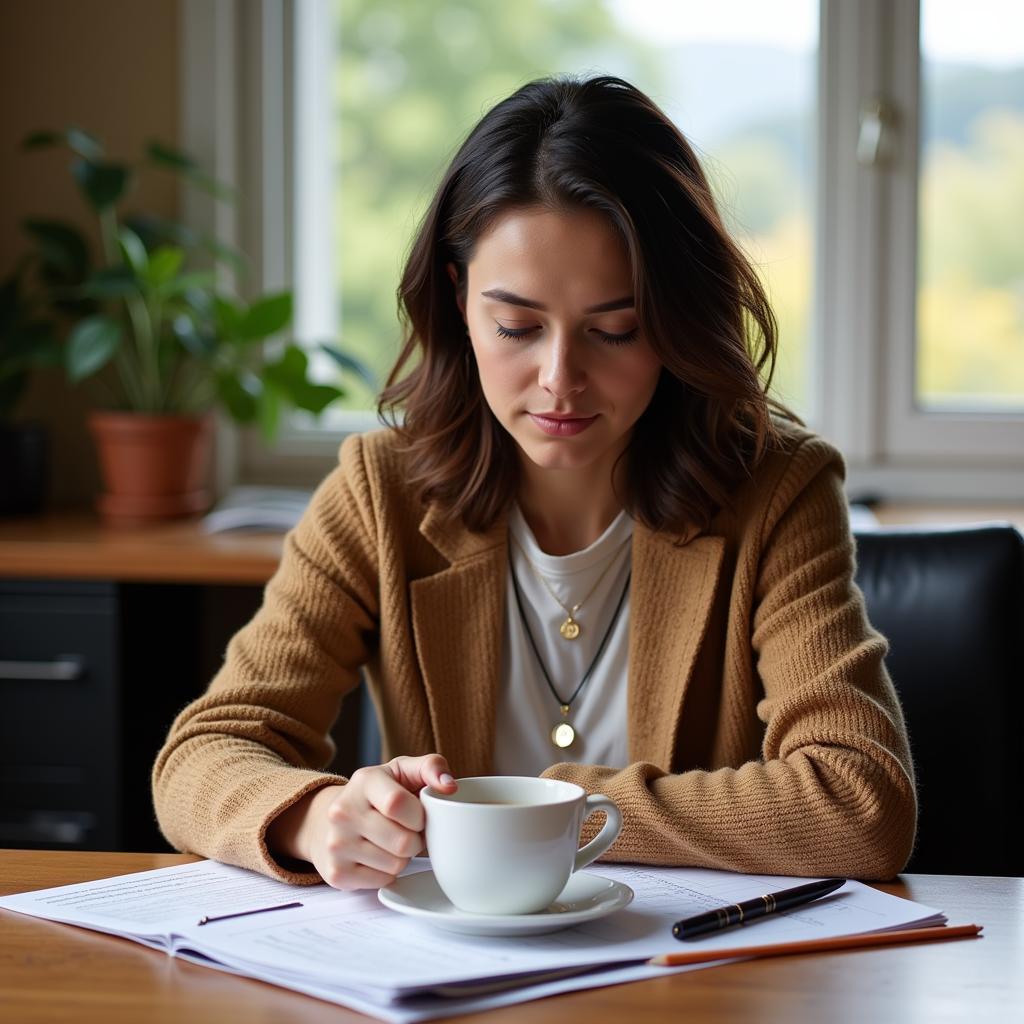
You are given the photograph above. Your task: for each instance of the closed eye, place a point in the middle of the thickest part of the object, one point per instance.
(611, 339)
(504, 332)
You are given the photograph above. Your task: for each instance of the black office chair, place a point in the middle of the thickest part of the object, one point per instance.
(951, 603)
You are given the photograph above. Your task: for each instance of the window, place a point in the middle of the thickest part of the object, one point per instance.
(970, 289)
(840, 137)
(409, 78)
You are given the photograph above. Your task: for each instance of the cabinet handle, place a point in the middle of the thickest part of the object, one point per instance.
(64, 668)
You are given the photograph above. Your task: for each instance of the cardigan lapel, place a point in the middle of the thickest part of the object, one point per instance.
(671, 598)
(458, 624)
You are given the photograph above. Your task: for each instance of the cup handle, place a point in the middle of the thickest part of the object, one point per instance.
(608, 834)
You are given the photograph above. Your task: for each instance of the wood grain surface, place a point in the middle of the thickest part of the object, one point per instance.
(77, 546)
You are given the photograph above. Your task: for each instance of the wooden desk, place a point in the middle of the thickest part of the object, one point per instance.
(52, 973)
(78, 546)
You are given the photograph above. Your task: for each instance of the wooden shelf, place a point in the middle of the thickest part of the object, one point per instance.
(76, 545)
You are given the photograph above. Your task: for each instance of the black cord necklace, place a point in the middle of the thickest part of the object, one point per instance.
(562, 733)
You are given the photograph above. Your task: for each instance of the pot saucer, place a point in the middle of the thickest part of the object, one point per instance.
(586, 897)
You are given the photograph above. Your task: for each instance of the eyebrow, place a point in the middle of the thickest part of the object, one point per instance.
(517, 300)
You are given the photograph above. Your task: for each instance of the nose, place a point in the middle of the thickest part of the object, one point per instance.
(561, 373)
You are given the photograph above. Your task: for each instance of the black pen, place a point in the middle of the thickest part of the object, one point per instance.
(246, 913)
(750, 910)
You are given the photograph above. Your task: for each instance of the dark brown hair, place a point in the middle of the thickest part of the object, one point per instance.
(562, 143)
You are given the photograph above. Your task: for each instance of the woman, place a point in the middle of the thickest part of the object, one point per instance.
(594, 550)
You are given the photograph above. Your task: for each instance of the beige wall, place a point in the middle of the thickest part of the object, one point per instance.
(110, 66)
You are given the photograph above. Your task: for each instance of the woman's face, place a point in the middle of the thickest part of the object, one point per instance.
(562, 363)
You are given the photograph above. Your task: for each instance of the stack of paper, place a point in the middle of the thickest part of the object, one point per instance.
(348, 949)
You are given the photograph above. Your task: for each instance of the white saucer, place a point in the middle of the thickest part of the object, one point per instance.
(586, 897)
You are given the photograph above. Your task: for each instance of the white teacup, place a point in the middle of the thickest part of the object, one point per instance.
(507, 844)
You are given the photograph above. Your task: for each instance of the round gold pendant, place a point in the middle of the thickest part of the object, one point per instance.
(570, 629)
(563, 735)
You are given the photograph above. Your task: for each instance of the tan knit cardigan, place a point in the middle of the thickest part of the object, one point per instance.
(764, 733)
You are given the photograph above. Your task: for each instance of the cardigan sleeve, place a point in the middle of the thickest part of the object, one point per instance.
(259, 738)
(833, 792)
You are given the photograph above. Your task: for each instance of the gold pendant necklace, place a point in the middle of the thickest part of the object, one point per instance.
(570, 628)
(563, 734)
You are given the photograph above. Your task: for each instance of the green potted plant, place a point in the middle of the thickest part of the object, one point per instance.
(163, 343)
(27, 341)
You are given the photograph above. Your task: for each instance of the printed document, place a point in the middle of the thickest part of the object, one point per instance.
(349, 949)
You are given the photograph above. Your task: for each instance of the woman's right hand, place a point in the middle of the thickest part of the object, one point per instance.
(363, 834)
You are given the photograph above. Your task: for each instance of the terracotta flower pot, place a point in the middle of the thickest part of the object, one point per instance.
(153, 467)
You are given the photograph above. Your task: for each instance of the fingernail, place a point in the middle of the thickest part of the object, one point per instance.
(446, 779)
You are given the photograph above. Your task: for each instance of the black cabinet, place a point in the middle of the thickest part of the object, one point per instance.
(92, 675)
(60, 758)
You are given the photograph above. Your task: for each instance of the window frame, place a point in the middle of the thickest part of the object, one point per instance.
(239, 115)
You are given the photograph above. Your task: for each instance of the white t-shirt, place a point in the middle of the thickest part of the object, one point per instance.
(527, 710)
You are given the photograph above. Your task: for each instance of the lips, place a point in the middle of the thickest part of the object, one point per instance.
(561, 425)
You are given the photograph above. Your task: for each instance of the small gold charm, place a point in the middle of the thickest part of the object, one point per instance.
(570, 629)
(563, 735)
